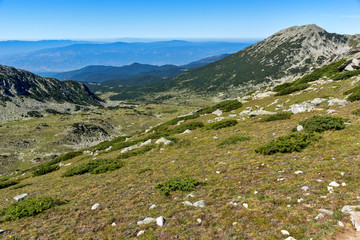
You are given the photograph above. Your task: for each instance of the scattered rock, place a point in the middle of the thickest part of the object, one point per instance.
(147, 220)
(298, 172)
(305, 188)
(330, 111)
(290, 238)
(200, 203)
(327, 212)
(320, 216)
(187, 203)
(300, 200)
(148, 142)
(215, 138)
(160, 221)
(61, 164)
(355, 219)
(218, 172)
(152, 207)
(113, 224)
(234, 223)
(299, 128)
(260, 112)
(163, 140)
(190, 195)
(245, 205)
(318, 101)
(140, 233)
(20, 197)
(199, 220)
(341, 224)
(95, 206)
(302, 107)
(186, 131)
(334, 184)
(217, 112)
(285, 233)
(338, 102)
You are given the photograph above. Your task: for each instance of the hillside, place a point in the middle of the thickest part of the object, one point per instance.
(283, 56)
(118, 54)
(22, 91)
(208, 174)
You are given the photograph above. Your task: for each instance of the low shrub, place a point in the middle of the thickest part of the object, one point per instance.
(293, 88)
(287, 144)
(145, 170)
(21, 186)
(45, 169)
(354, 94)
(63, 158)
(34, 114)
(7, 184)
(283, 86)
(323, 123)
(233, 140)
(225, 106)
(277, 116)
(95, 167)
(356, 112)
(178, 184)
(29, 207)
(345, 75)
(221, 124)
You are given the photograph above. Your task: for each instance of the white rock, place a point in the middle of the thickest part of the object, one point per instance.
(285, 233)
(186, 131)
(108, 149)
(302, 107)
(342, 173)
(305, 188)
(355, 219)
(334, 184)
(215, 137)
(218, 172)
(187, 203)
(245, 205)
(152, 207)
(290, 238)
(190, 195)
(217, 112)
(163, 140)
(256, 192)
(113, 224)
(300, 200)
(346, 209)
(327, 212)
(1, 231)
(61, 164)
(95, 206)
(338, 102)
(127, 149)
(200, 203)
(343, 184)
(199, 220)
(320, 216)
(341, 224)
(68, 164)
(160, 221)
(20, 197)
(298, 172)
(148, 142)
(234, 223)
(140, 233)
(147, 220)
(318, 101)
(180, 122)
(299, 128)
(260, 112)
(331, 111)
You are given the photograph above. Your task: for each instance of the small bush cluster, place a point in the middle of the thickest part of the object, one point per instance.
(354, 94)
(293, 88)
(345, 75)
(7, 184)
(277, 116)
(356, 112)
(233, 140)
(323, 123)
(287, 144)
(45, 169)
(95, 167)
(21, 186)
(221, 124)
(34, 114)
(225, 106)
(178, 184)
(29, 207)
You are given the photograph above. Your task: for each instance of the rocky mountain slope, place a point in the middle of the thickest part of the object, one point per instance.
(22, 91)
(273, 167)
(283, 56)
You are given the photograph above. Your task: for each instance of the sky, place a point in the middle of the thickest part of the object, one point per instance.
(170, 19)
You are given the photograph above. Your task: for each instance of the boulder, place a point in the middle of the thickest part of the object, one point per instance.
(140, 233)
(299, 128)
(152, 207)
(147, 220)
(20, 197)
(160, 221)
(95, 206)
(318, 101)
(217, 112)
(338, 102)
(285, 233)
(163, 140)
(200, 203)
(302, 107)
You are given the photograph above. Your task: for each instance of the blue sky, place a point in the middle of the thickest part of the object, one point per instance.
(170, 19)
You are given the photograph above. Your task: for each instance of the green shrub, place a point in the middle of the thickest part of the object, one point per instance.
(283, 86)
(356, 112)
(286, 144)
(221, 124)
(277, 116)
(45, 169)
(7, 184)
(34, 114)
(345, 75)
(144, 170)
(225, 106)
(21, 185)
(63, 158)
(178, 184)
(29, 207)
(233, 140)
(293, 88)
(354, 94)
(323, 123)
(95, 167)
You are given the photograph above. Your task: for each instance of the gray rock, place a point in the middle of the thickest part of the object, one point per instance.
(187, 203)
(160, 221)
(148, 142)
(260, 112)
(302, 107)
(284, 232)
(299, 128)
(337, 102)
(290, 238)
(152, 207)
(318, 101)
(217, 112)
(320, 216)
(95, 206)
(147, 220)
(20, 197)
(334, 184)
(327, 212)
(355, 219)
(163, 140)
(200, 203)
(186, 131)
(140, 233)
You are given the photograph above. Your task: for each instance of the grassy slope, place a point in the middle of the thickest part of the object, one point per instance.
(125, 196)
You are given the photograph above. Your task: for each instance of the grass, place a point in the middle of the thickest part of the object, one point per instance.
(294, 142)
(95, 167)
(277, 116)
(221, 124)
(178, 184)
(233, 140)
(28, 207)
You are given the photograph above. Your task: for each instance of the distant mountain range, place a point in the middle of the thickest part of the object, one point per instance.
(283, 56)
(77, 56)
(135, 74)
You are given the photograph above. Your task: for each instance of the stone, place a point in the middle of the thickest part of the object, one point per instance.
(20, 197)
(260, 112)
(190, 195)
(187, 131)
(127, 149)
(152, 207)
(302, 107)
(300, 200)
(108, 149)
(338, 102)
(285, 233)
(148, 142)
(217, 112)
(160, 221)
(305, 188)
(290, 238)
(298, 172)
(320, 216)
(140, 233)
(180, 122)
(341, 224)
(199, 220)
(218, 172)
(318, 101)
(147, 220)
(68, 164)
(113, 224)
(327, 212)
(245, 205)
(163, 140)
(299, 128)
(215, 138)
(187, 203)
(234, 223)
(61, 164)
(343, 184)
(200, 203)
(355, 219)
(330, 111)
(334, 184)
(95, 206)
